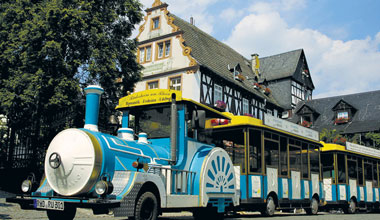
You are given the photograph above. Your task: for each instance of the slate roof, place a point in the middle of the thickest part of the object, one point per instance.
(215, 56)
(366, 118)
(280, 66)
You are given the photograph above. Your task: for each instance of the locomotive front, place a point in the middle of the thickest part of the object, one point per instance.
(85, 168)
(73, 162)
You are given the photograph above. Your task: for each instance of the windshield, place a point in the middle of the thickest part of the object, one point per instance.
(155, 122)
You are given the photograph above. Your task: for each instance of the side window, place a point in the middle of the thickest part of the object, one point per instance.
(341, 168)
(271, 153)
(368, 171)
(283, 156)
(305, 161)
(233, 142)
(314, 159)
(294, 158)
(255, 151)
(352, 169)
(327, 160)
(360, 171)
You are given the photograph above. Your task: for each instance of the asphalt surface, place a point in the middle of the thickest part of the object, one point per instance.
(13, 211)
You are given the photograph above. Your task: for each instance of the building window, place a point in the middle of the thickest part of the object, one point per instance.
(298, 93)
(163, 49)
(245, 106)
(343, 115)
(145, 54)
(152, 85)
(155, 23)
(218, 93)
(175, 83)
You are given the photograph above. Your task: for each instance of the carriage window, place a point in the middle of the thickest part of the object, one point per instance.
(328, 166)
(368, 168)
(255, 151)
(360, 171)
(375, 176)
(341, 169)
(294, 158)
(271, 153)
(305, 161)
(314, 160)
(233, 142)
(283, 156)
(352, 169)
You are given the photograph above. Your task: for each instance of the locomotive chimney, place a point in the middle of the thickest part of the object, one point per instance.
(173, 131)
(93, 93)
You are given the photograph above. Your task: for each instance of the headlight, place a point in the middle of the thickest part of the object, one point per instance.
(103, 187)
(26, 186)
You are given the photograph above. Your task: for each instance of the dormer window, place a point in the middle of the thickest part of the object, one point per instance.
(343, 112)
(307, 116)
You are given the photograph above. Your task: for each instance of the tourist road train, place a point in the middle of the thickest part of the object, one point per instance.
(175, 154)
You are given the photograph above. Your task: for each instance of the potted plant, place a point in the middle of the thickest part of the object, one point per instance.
(257, 86)
(267, 91)
(306, 124)
(341, 120)
(247, 114)
(239, 77)
(220, 105)
(340, 140)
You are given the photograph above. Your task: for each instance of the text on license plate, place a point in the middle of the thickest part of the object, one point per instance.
(49, 204)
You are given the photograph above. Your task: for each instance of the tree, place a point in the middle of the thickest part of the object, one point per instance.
(374, 138)
(49, 48)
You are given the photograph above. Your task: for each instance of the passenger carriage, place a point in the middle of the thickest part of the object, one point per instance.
(278, 162)
(351, 177)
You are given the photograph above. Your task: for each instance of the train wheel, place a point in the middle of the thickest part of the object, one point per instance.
(313, 210)
(351, 208)
(67, 214)
(146, 207)
(269, 208)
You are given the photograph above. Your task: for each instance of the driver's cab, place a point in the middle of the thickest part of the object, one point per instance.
(168, 119)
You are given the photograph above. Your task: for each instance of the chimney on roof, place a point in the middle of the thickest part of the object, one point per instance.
(191, 20)
(255, 64)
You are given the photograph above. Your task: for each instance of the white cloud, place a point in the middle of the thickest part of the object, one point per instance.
(337, 67)
(230, 14)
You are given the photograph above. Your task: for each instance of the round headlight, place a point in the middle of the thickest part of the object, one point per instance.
(103, 187)
(26, 186)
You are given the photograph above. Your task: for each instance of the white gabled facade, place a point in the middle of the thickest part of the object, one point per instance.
(167, 62)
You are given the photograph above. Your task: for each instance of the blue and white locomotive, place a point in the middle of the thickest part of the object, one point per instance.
(155, 164)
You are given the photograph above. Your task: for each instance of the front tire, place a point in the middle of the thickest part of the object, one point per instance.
(67, 214)
(313, 210)
(146, 207)
(269, 208)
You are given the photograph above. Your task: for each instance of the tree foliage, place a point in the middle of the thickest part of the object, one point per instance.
(49, 48)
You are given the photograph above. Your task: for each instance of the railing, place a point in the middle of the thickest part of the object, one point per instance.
(180, 178)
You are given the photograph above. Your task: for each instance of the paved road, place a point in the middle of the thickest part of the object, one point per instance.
(13, 211)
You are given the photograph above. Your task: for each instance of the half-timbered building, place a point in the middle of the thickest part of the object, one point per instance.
(177, 55)
(288, 77)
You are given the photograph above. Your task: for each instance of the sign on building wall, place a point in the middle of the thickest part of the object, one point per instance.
(290, 127)
(362, 149)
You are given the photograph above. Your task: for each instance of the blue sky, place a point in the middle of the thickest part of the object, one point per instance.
(341, 38)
